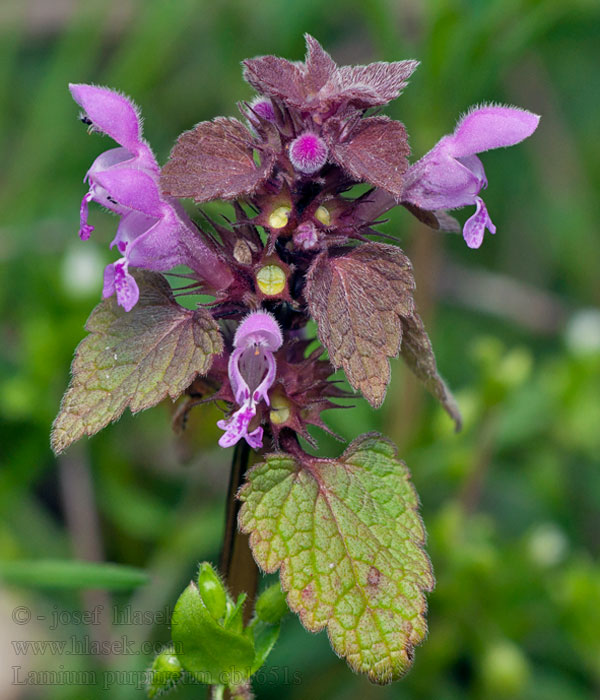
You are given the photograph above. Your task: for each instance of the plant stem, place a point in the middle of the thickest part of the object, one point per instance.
(237, 565)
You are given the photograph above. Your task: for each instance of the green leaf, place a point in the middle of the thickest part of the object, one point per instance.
(134, 359)
(54, 573)
(348, 538)
(211, 653)
(271, 606)
(265, 636)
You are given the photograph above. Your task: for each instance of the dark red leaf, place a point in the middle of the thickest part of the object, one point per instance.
(215, 160)
(319, 66)
(374, 84)
(375, 151)
(275, 77)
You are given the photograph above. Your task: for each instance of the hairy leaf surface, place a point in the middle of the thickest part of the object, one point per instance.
(134, 359)
(418, 354)
(348, 541)
(215, 160)
(358, 300)
(207, 649)
(375, 151)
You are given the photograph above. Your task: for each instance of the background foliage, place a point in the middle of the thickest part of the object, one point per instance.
(512, 504)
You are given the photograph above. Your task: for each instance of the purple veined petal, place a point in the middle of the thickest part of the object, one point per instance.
(260, 393)
(475, 226)
(118, 280)
(85, 230)
(491, 126)
(133, 189)
(112, 113)
(236, 427)
(253, 366)
(254, 439)
(239, 386)
(259, 327)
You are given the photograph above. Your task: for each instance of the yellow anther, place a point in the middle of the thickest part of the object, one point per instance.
(279, 217)
(280, 409)
(323, 215)
(271, 280)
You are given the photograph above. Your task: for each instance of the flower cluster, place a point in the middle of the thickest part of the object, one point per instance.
(154, 232)
(298, 244)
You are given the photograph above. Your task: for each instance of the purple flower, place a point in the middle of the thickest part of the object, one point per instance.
(451, 175)
(116, 116)
(252, 371)
(154, 232)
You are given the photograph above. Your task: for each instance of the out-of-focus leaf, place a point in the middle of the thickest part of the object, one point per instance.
(56, 573)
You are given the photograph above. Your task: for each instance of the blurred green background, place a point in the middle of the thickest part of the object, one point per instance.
(512, 504)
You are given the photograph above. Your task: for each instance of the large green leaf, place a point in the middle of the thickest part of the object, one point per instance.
(134, 359)
(349, 541)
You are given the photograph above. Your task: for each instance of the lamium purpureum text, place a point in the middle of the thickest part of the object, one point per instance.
(297, 245)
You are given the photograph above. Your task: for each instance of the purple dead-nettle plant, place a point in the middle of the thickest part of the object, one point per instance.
(297, 246)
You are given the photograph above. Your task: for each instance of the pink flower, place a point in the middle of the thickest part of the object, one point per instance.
(154, 232)
(252, 372)
(451, 175)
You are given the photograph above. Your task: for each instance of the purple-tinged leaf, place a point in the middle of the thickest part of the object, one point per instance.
(418, 354)
(134, 359)
(319, 66)
(318, 86)
(375, 151)
(215, 160)
(276, 77)
(358, 300)
(348, 540)
(374, 84)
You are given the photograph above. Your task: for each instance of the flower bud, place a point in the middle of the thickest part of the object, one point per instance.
(263, 107)
(306, 236)
(271, 605)
(212, 591)
(165, 672)
(308, 153)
